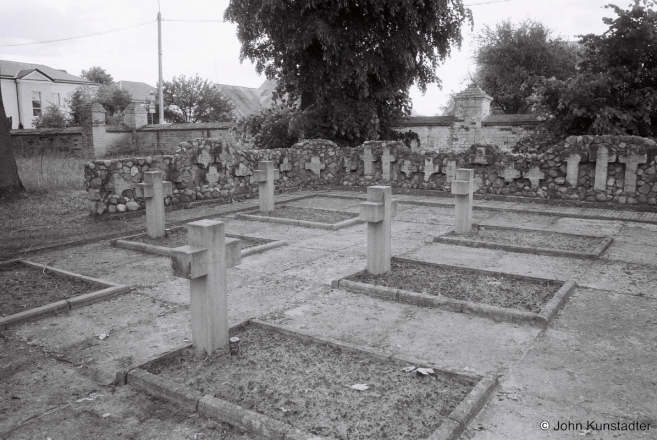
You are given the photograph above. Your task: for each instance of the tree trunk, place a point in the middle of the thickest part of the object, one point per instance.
(9, 180)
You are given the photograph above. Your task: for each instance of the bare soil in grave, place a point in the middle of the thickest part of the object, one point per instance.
(496, 290)
(309, 387)
(543, 239)
(26, 287)
(307, 214)
(178, 237)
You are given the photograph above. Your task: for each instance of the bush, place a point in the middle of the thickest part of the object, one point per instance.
(269, 128)
(52, 117)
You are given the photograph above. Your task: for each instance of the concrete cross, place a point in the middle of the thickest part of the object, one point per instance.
(315, 165)
(386, 160)
(430, 168)
(602, 159)
(265, 175)
(572, 168)
(285, 165)
(450, 170)
(407, 168)
(378, 212)
(204, 261)
(535, 175)
(204, 157)
(368, 159)
(212, 175)
(153, 189)
(631, 161)
(480, 157)
(242, 170)
(346, 164)
(463, 189)
(510, 173)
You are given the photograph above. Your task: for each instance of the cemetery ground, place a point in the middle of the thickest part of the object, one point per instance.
(594, 362)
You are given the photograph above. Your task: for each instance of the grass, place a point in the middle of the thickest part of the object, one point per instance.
(51, 172)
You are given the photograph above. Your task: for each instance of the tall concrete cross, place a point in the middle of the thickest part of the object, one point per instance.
(535, 175)
(285, 165)
(265, 175)
(631, 161)
(602, 159)
(378, 212)
(430, 168)
(386, 161)
(368, 160)
(315, 165)
(153, 189)
(450, 170)
(463, 189)
(204, 261)
(572, 168)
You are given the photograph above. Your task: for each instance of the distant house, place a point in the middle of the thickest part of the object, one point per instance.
(27, 89)
(141, 92)
(248, 100)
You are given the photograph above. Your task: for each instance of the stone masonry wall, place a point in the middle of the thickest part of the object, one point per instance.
(38, 141)
(603, 169)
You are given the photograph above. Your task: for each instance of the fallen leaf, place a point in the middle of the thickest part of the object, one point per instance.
(425, 371)
(106, 415)
(103, 336)
(408, 369)
(283, 409)
(360, 386)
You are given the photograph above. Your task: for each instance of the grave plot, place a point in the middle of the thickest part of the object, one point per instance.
(490, 294)
(540, 242)
(34, 291)
(308, 217)
(344, 203)
(175, 237)
(277, 383)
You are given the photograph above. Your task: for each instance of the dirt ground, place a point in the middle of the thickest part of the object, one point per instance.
(595, 362)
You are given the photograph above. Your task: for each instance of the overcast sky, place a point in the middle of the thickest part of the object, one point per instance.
(212, 49)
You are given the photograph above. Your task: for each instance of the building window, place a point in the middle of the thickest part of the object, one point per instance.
(36, 103)
(55, 99)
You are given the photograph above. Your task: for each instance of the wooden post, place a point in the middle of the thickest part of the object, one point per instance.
(154, 190)
(265, 175)
(204, 261)
(378, 212)
(463, 189)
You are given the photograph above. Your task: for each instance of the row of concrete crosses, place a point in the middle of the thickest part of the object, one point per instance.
(207, 256)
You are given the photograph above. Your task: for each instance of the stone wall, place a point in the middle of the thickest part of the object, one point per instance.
(48, 140)
(603, 169)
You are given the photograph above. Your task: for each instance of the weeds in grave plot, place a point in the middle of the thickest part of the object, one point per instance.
(178, 237)
(307, 214)
(311, 387)
(531, 238)
(494, 289)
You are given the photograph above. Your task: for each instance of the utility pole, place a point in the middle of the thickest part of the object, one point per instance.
(159, 60)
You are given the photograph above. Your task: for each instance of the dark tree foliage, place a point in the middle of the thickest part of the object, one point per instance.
(508, 55)
(194, 100)
(52, 117)
(350, 63)
(615, 91)
(113, 99)
(270, 128)
(97, 75)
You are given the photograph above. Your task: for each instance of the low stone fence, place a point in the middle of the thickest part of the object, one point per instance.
(603, 169)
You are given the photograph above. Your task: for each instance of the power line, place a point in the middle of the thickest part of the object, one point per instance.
(196, 21)
(82, 36)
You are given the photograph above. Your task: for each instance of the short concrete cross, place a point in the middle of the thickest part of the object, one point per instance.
(285, 165)
(430, 168)
(450, 170)
(510, 173)
(535, 175)
(204, 261)
(204, 157)
(378, 212)
(631, 161)
(572, 169)
(463, 189)
(265, 175)
(480, 157)
(407, 168)
(315, 165)
(153, 189)
(602, 159)
(386, 160)
(368, 160)
(347, 164)
(212, 175)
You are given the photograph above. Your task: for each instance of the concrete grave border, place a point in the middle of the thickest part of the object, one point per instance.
(288, 221)
(452, 238)
(542, 319)
(109, 290)
(451, 428)
(123, 242)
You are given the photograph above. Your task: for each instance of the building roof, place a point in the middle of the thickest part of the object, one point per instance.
(17, 70)
(415, 121)
(140, 91)
(187, 126)
(522, 119)
(246, 100)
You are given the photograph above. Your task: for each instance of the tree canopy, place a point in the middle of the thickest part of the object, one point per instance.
(111, 97)
(508, 55)
(615, 90)
(350, 63)
(194, 100)
(98, 75)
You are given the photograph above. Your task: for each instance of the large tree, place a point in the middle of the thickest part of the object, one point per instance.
(350, 63)
(97, 75)
(113, 99)
(508, 55)
(615, 91)
(194, 100)
(10, 182)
